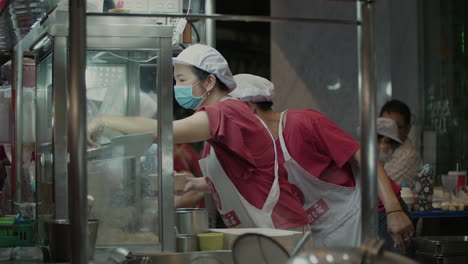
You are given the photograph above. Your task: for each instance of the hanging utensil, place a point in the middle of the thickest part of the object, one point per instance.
(307, 235)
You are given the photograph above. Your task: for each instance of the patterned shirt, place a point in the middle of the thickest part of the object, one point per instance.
(404, 164)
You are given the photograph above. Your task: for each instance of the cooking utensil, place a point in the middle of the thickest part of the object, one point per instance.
(98, 152)
(371, 252)
(186, 243)
(442, 245)
(131, 145)
(118, 255)
(191, 221)
(307, 235)
(58, 233)
(254, 248)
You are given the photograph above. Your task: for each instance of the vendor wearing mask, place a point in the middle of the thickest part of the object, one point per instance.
(241, 166)
(319, 159)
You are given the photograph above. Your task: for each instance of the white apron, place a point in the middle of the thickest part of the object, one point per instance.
(235, 210)
(333, 210)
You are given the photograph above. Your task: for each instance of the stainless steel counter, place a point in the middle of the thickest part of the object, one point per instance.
(112, 255)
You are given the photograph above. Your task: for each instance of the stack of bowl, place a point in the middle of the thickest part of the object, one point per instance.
(190, 222)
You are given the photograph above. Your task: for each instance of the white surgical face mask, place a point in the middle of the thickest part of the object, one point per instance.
(183, 95)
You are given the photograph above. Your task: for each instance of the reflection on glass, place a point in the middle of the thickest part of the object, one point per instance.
(28, 107)
(122, 171)
(44, 123)
(445, 86)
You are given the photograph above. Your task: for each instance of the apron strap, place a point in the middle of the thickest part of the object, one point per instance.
(286, 154)
(272, 198)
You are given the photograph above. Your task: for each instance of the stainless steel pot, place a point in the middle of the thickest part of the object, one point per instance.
(58, 233)
(186, 243)
(191, 221)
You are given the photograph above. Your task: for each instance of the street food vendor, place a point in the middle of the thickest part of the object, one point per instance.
(405, 162)
(321, 160)
(241, 166)
(388, 140)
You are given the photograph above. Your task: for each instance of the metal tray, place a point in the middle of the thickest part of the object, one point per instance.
(95, 153)
(441, 246)
(132, 145)
(429, 259)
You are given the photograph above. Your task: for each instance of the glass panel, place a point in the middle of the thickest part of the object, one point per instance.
(44, 123)
(28, 182)
(446, 97)
(123, 170)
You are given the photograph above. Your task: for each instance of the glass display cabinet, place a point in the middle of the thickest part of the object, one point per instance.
(128, 73)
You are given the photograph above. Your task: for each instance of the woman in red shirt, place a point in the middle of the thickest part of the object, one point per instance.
(240, 165)
(319, 159)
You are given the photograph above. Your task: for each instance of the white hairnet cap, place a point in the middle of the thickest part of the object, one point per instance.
(387, 127)
(208, 59)
(252, 88)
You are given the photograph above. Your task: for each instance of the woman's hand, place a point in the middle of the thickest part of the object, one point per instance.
(196, 184)
(401, 229)
(95, 127)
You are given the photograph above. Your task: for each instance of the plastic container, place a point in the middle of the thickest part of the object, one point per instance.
(449, 183)
(461, 179)
(211, 241)
(408, 196)
(12, 235)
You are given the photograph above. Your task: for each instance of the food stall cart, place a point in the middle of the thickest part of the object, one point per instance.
(128, 72)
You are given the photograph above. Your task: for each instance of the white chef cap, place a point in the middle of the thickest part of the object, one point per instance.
(387, 127)
(252, 88)
(208, 59)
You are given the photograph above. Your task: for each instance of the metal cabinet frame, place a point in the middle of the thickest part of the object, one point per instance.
(107, 33)
(365, 54)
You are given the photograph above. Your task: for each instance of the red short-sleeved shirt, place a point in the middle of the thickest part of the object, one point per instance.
(245, 151)
(321, 148)
(186, 159)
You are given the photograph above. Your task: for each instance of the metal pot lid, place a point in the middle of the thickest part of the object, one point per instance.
(319, 256)
(347, 256)
(254, 248)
